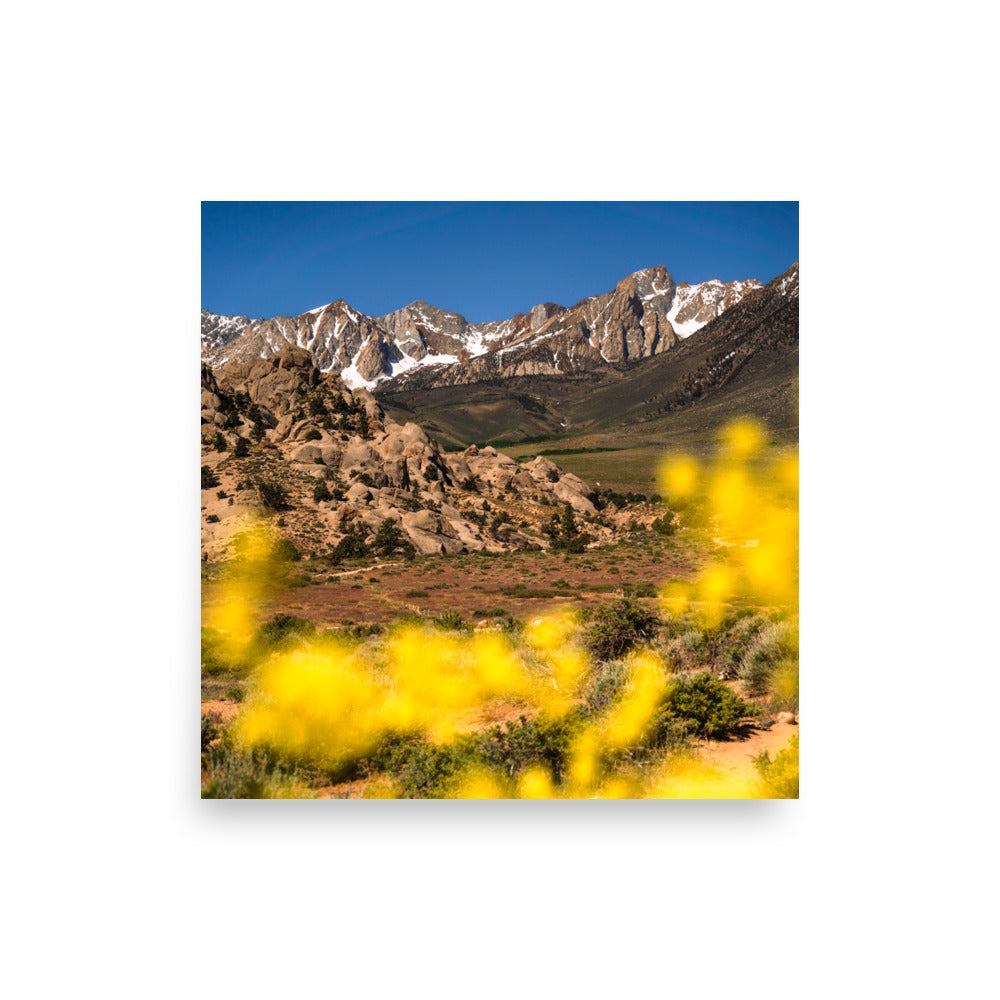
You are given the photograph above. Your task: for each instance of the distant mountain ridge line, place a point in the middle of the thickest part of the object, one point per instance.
(646, 313)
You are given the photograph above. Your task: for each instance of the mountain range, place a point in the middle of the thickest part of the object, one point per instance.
(422, 346)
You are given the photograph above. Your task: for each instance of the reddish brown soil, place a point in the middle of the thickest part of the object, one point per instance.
(380, 592)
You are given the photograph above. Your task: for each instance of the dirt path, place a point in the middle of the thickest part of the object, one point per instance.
(733, 757)
(365, 569)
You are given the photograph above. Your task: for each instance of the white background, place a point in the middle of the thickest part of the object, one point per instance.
(120, 120)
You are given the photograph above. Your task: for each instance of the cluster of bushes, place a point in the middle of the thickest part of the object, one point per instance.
(389, 540)
(664, 525)
(691, 705)
(695, 706)
(422, 769)
(604, 496)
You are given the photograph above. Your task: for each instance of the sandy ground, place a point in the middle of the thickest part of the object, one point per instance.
(733, 757)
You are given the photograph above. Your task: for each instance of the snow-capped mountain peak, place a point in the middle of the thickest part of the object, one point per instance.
(645, 314)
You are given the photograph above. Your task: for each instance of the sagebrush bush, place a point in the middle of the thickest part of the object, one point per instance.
(231, 774)
(616, 628)
(771, 656)
(606, 684)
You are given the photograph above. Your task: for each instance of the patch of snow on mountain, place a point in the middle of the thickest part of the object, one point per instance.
(353, 379)
(405, 364)
(438, 359)
(789, 286)
(680, 299)
(475, 342)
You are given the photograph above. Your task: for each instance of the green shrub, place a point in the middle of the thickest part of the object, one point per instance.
(422, 769)
(312, 435)
(321, 493)
(282, 632)
(272, 495)
(242, 449)
(616, 628)
(219, 442)
(221, 495)
(212, 519)
(284, 549)
(351, 546)
(208, 478)
(453, 621)
(541, 740)
(697, 705)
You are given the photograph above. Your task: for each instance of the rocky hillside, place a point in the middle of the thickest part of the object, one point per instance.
(279, 434)
(421, 346)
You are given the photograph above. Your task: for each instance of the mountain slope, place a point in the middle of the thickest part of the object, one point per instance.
(744, 362)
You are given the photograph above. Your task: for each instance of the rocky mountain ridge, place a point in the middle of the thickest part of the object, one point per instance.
(646, 314)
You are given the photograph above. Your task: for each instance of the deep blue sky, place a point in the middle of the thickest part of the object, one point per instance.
(485, 260)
